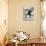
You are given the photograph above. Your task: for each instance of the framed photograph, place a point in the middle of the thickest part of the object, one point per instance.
(28, 13)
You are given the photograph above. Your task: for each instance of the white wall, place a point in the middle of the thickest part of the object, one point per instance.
(16, 21)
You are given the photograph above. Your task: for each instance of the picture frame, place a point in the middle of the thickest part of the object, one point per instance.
(28, 14)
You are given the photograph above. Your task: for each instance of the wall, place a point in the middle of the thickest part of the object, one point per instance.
(16, 21)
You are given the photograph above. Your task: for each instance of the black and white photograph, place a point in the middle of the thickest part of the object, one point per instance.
(28, 13)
